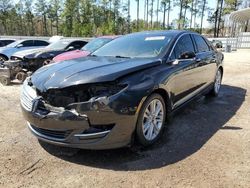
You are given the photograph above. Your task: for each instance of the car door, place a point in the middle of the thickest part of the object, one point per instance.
(207, 60)
(185, 80)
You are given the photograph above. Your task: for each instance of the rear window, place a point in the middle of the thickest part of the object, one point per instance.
(96, 44)
(6, 42)
(40, 43)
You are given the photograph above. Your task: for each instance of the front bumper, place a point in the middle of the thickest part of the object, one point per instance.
(95, 124)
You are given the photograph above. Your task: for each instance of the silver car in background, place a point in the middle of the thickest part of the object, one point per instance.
(20, 45)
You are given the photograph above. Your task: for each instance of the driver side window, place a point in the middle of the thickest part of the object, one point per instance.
(27, 43)
(184, 44)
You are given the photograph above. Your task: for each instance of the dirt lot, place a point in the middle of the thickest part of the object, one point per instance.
(206, 145)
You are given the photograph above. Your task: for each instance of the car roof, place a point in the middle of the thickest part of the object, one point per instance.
(109, 36)
(72, 40)
(163, 32)
(2, 39)
(22, 40)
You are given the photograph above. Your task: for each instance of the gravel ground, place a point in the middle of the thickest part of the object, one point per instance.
(206, 145)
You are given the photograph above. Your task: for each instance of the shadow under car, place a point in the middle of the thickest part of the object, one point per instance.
(190, 129)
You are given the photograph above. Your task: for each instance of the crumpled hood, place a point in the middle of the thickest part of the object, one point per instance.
(71, 55)
(87, 70)
(24, 53)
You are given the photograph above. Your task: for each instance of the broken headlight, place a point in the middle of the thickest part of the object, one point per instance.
(82, 93)
(105, 90)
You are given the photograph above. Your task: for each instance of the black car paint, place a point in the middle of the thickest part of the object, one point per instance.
(87, 70)
(177, 80)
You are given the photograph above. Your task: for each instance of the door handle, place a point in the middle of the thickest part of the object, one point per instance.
(175, 62)
(198, 60)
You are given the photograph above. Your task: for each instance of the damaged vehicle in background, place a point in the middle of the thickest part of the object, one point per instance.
(89, 48)
(10, 69)
(124, 90)
(25, 62)
(39, 57)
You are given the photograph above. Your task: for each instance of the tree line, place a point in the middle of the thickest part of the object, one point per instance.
(102, 17)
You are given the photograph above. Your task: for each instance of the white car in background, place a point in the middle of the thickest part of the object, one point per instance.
(20, 45)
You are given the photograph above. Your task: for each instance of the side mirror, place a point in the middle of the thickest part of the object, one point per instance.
(19, 46)
(187, 55)
(70, 48)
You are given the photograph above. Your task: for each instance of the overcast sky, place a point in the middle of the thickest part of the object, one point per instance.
(174, 12)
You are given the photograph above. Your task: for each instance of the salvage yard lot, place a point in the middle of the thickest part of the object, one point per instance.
(206, 145)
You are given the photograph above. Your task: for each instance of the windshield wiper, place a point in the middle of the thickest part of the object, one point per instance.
(118, 56)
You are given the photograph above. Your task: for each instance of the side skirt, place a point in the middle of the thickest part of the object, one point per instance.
(199, 95)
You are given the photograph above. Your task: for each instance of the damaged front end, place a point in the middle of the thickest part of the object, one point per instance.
(79, 116)
(13, 69)
(30, 62)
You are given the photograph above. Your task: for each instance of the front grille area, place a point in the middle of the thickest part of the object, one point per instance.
(52, 133)
(28, 94)
(26, 100)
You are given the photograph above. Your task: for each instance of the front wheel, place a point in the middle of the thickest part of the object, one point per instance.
(46, 62)
(151, 120)
(217, 84)
(5, 81)
(2, 58)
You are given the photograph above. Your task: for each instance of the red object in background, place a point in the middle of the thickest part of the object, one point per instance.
(92, 46)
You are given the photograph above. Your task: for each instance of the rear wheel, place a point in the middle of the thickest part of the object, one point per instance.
(21, 76)
(217, 84)
(151, 120)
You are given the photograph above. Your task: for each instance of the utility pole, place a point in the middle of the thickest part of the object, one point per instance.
(128, 16)
(164, 14)
(218, 30)
(138, 5)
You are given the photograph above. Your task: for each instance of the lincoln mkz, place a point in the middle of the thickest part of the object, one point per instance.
(123, 92)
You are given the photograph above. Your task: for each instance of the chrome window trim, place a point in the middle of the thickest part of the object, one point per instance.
(177, 40)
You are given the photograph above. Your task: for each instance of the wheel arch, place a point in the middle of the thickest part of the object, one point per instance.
(6, 57)
(221, 69)
(165, 95)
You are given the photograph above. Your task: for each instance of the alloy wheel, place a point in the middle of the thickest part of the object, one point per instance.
(153, 119)
(217, 83)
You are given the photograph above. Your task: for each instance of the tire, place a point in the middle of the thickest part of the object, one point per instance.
(217, 85)
(46, 62)
(21, 76)
(149, 125)
(2, 58)
(5, 81)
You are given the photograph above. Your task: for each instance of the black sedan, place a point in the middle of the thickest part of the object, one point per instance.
(126, 89)
(35, 58)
